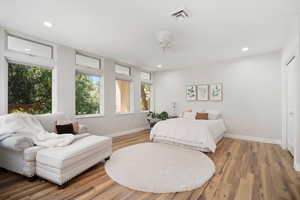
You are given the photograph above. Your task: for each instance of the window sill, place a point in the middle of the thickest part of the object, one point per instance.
(145, 111)
(89, 116)
(124, 113)
(102, 115)
(128, 113)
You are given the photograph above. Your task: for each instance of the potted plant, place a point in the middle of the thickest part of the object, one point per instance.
(153, 117)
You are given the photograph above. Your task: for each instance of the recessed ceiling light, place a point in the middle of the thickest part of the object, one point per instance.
(27, 50)
(48, 24)
(159, 66)
(245, 49)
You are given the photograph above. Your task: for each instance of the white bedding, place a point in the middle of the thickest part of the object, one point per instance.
(196, 134)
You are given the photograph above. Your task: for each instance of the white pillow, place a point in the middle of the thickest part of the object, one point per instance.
(189, 115)
(213, 114)
(189, 110)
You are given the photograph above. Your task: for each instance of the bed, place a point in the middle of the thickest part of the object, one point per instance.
(201, 135)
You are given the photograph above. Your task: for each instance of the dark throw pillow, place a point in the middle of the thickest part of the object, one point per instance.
(67, 128)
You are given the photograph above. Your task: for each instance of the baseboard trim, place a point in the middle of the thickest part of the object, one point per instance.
(128, 132)
(252, 138)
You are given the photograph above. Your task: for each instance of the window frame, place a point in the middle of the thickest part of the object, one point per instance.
(146, 80)
(53, 63)
(12, 61)
(151, 96)
(131, 95)
(28, 40)
(91, 72)
(149, 82)
(125, 66)
(89, 56)
(11, 56)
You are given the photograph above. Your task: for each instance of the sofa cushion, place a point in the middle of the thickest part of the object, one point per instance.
(30, 153)
(60, 176)
(62, 157)
(48, 121)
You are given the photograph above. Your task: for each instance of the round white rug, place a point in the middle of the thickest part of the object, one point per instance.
(159, 168)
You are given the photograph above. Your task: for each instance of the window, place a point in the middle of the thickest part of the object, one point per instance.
(145, 96)
(88, 93)
(122, 96)
(29, 89)
(145, 76)
(88, 61)
(29, 47)
(122, 70)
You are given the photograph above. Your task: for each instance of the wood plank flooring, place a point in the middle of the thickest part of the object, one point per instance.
(244, 170)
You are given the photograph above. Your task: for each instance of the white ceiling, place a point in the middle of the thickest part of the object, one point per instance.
(125, 30)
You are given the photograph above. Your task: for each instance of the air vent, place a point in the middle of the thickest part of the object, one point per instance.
(181, 14)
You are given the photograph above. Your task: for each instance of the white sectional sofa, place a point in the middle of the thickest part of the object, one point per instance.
(21, 162)
(58, 164)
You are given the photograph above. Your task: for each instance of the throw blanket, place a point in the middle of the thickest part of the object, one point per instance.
(5, 133)
(29, 127)
(185, 131)
(17, 143)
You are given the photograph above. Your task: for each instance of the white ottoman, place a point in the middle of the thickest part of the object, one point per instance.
(60, 164)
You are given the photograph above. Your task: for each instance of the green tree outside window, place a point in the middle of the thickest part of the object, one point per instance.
(29, 89)
(87, 94)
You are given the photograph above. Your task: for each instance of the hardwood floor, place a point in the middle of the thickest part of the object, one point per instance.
(244, 170)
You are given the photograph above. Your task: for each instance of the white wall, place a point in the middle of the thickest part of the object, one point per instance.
(3, 75)
(64, 81)
(292, 48)
(64, 68)
(252, 93)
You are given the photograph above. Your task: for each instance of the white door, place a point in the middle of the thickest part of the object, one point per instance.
(291, 92)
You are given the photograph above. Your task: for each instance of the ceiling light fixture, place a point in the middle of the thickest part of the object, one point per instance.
(48, 24)
(159, 66)
(27, 50)
(245, 49)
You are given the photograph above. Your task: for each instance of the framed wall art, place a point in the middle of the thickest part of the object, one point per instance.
(191, 93)
(202, 92)
(216, 92)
